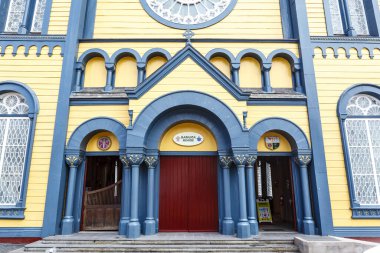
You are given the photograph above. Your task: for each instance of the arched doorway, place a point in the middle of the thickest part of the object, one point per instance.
(188, 198)
(102, 184)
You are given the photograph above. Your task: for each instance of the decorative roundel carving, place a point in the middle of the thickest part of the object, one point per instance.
(104, 143)
(188, 14)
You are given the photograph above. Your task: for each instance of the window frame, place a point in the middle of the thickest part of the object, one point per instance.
(4, 11)
(359, 211)
(372, 13)
(17, 211)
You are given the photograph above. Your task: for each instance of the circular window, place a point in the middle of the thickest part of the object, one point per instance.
(188, 14)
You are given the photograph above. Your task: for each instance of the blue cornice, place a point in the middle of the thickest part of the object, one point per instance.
(6, 232)
(198, 58)
(98, 101)
(357, 231)
(142, 40)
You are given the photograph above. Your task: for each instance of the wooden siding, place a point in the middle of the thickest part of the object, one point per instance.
(316, 17)
(59, 17)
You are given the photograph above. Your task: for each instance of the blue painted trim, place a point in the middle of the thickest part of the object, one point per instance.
(318, 171)
(357, 231)
(105, 153)
(291, 131)
(287, 102)
(20, 232)
(328, 20)
(286, 19)
(221, 52)
(188, 153)
(89, 21)
(123, 53)
(101, 101)
(4, 5)
(194, 40)
(57, 170)
(91, 53)
(181, 56)
(155, 52)
(371, 9)
(163, 21)
(250, 52)
(47, 14)
(17, 211)
(284, 53)
(84, 132)
(358, 211)
(276, 154)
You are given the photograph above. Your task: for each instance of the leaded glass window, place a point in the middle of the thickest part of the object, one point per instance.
(15, 15)
(14, 134)
(363, 140)
(336, 17)
(358, 17)
(38, 16)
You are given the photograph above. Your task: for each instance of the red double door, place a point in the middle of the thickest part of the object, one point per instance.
(188, 194)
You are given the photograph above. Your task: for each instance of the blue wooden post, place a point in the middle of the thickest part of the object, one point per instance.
(297, 77)
(243, 228)
(235, 67)
(308, 222)
(252, 220)
(140, 72)
(134, 227)
(78, 82)
(350, 31)
(150, 222)
(23, 27)
(125, 197)
(266, 70)
(110, 72)
(68, 220)
(228, 227)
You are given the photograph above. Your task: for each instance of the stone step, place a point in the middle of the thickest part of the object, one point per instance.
(248, 247)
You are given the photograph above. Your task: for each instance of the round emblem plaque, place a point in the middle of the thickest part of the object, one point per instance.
(104, 143)
(188, 14)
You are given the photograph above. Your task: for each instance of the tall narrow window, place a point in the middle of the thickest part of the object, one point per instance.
(15, 15)
(14, 135)
(38, 16)
(362, 128)
(356, 13)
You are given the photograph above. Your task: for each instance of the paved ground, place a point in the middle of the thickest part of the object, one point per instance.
(5, 247)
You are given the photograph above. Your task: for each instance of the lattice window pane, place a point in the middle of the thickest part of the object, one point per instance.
(15, 15)
(358, 16)
(356, 133)
(362, 104)
(365, 189)
(38, 16)
(336, 18)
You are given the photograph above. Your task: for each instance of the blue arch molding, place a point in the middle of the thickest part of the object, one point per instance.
(163, 21)
(181, 56)
(190, 99)
(221, 52)
(90, 53)
(86, 130)
(123, 53)
(156, 52)
(258, 55)
(284, 53)
(358, 211)
(292, 132)
(17, 211)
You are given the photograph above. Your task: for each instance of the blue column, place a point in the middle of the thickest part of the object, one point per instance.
(235, 67)
(297, 77)
(350, 31)
(265, 69)
(140, 72)
(78, 82)
(228, 227)
(150, 222)
(23, 27)
(251, 198)
(68, 220)
(134, 227)
(110, 72)
(125, 197)
(308, 222)
(243, 228)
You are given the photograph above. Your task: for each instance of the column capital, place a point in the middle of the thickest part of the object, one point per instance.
(303, 160)
(141, 65)
(235, 66)
(79, 66)
(124, 160)
(110, 66)
(240, 159)
(266, 66)
(73, 160)
(135, 159)
(225, 161)
(251, 160)
(151, 161)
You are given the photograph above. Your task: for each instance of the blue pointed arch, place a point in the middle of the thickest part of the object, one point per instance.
(83, 133)
(123, 53)
(291, 131)
(186, 99)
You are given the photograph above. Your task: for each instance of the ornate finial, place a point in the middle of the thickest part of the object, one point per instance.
(188, 35)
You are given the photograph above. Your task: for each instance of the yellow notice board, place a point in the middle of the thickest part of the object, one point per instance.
(263, 211)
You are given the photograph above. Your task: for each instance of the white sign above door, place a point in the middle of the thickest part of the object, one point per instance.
(188, 139)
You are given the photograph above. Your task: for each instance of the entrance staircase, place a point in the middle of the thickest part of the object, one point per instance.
(78, 243)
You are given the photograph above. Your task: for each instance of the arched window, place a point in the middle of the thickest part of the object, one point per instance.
(14, 135)
(362, 129)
